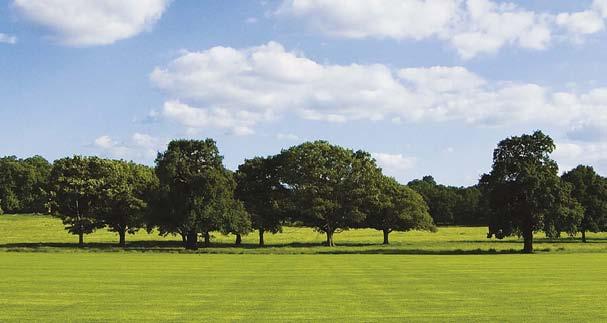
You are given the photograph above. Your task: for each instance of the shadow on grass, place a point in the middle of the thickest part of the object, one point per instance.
(229, 248)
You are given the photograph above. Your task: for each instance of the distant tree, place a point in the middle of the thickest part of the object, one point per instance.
(440, 199)
(23, 184)
(590, 190)
(236, 220)
(397, 208)
(525, 192)
(194, 187)
(75, 185)
(330, 185)
(124, 199)
(259, 187)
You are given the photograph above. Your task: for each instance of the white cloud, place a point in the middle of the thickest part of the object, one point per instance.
(472, 27)
(287, 136)
(395, 165)
(235, 89)
(251, 20)
(571, 154)
(92, 22)
(237, 122)
(140, 147)
(8, 39)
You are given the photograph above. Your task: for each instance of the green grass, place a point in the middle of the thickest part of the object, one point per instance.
(44, 233)
(449, 276)
(198, 287)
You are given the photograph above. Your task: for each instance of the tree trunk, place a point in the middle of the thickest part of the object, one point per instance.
(80, 239)
(583, 235)
(207, 239)
(261, 241)
(192, 240)
(184, 240)
(122, 234)
(386, 234)
(330, 242)
(238, 239)
(528, 241)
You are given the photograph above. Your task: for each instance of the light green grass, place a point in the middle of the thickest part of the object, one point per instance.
(200, 287)
(44, 233)
(435, 277)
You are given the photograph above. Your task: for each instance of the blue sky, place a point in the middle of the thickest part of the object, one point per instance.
(429, 87)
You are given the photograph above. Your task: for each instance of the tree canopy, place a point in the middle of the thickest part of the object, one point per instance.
(590, 190)
(525, 192)
(195, 190)
(397, 208)
(330, 184)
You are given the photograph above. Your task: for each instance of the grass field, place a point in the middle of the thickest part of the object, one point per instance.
(44, 277)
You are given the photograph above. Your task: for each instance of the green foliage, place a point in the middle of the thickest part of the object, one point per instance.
(123, 199)
(525, 193)
(590, 190)
(194, 190)
(23, 184)
(397, 208)
(264, 197)
(330, 185)
(75, 188)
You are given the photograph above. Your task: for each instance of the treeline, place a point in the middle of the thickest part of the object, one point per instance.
(190, 193)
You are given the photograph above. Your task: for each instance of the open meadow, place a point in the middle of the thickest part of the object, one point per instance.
(455, 274)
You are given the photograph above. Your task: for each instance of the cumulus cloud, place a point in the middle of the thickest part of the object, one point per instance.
(235, 89)
(395, 165)
(92, 22)
(472, 27)
(140, 147)
(8, 39)
(571, 153)
(287, 136)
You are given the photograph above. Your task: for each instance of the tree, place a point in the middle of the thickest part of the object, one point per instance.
(330, 184)
(590, 190)
(236, 220)
(398, 208)
(23, 184)
(75, 185)
(259, 187)
(124, 199)
(440, 199)
(193, 189)
(525, 192)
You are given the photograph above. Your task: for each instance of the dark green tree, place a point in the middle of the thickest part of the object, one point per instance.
(124, 199)
(440, 199)
(590, 190)
(329, 185)
(525, 192)
(397, 208)
(193, 189)
(264, 197)
(75, 185)
(23, 184)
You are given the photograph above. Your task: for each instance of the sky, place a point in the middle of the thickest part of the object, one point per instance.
(426, 86)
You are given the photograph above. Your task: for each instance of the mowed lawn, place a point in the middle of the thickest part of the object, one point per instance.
(205, 287)
(45, 233)
(455, 274)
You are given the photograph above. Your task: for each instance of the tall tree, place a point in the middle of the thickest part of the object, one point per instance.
(590, 190)
(398, 208)
(194, 187)
(259, 187)
(330, 184)
(125, 198)
(236, 220)
(23, 184)
(75, 185)
(525, 192)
